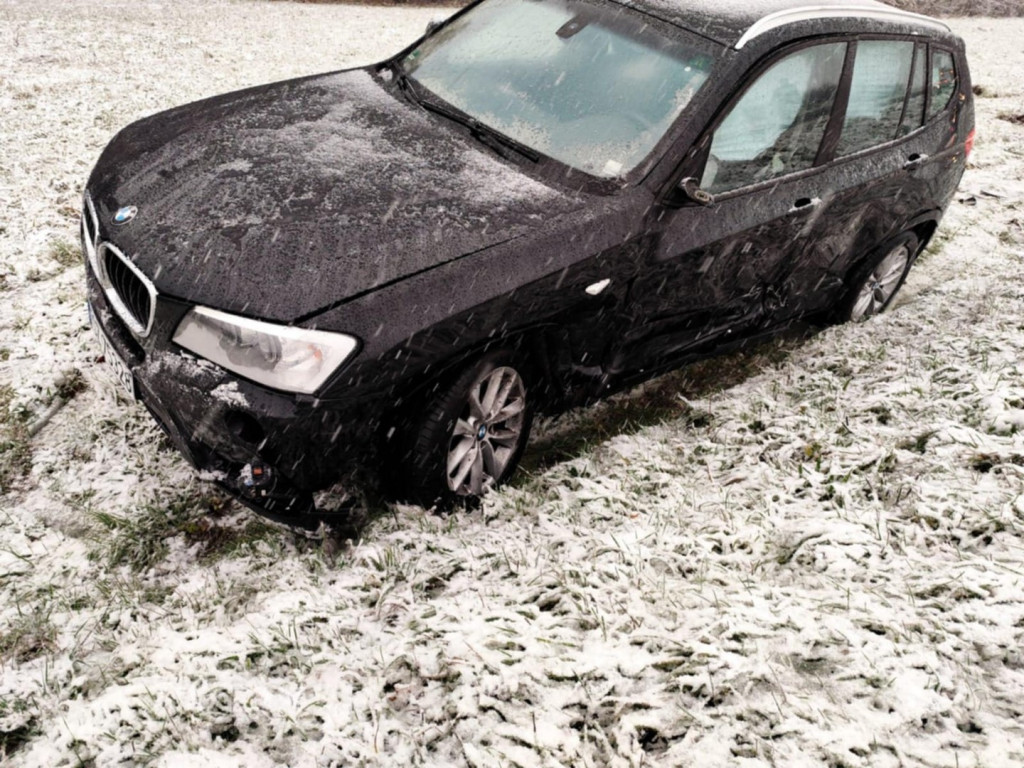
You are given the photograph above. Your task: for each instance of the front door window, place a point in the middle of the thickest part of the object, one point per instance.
(777, 125)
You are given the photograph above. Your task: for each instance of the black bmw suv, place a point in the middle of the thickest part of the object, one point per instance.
(379, 275)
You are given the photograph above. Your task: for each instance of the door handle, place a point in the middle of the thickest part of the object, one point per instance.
(916, 160)
(805, 204)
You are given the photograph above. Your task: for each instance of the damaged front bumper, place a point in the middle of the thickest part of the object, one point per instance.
(271, 450)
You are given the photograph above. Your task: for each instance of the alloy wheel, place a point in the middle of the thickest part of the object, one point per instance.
(487, 433)
(880, 285)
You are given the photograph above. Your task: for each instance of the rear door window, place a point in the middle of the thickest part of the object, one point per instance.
(881, 74)
(943, 80)
(913, 116)
(778, 123)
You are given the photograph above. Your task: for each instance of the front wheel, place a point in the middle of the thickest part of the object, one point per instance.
(472, 433)
(876, 284)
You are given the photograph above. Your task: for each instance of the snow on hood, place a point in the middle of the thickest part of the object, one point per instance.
(282, 199)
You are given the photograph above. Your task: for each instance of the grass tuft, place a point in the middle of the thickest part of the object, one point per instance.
(141, 540)
(1002, 8)
(216, 540)
(31, 635)
(65, 253)
(69, 384)
(15, 449)
(17, 725)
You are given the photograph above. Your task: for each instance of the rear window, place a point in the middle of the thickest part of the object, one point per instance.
(881, 73)
(943, 80)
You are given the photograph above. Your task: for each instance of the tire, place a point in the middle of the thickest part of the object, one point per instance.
(471, 435)
(876, 283)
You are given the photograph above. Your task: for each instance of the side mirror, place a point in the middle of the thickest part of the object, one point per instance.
(691, 188)
(433, 25)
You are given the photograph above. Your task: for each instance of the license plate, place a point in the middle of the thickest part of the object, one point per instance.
(120, 368)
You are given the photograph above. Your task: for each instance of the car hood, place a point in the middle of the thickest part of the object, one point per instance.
(281, 200)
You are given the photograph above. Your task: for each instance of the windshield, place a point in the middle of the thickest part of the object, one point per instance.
(591, 86)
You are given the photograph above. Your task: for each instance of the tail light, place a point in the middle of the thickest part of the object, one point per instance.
(969, 144)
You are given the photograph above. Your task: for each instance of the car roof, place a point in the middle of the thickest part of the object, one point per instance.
(734, 23)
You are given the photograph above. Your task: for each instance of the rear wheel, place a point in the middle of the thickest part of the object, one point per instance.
(472, 433)
(876, 284)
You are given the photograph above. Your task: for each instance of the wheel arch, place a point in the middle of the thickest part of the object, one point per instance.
(924, 226)
(527, 350)
(845, 310)
(542, 348)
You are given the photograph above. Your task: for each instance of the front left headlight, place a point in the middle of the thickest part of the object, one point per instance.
(279, 356)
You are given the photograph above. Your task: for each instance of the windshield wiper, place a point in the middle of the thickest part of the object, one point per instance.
(403, 81)
(482, 132)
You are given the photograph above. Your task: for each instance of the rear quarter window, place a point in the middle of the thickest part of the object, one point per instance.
(943, 83)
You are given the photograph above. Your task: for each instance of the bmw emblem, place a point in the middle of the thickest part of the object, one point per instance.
(126, 214)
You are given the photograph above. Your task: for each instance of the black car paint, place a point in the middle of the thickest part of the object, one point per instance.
(440, 272)
(782, 249)
(276, 201)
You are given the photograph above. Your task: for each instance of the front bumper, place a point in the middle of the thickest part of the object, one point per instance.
(227, 426)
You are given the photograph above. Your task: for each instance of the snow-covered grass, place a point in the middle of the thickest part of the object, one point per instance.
(807, 555)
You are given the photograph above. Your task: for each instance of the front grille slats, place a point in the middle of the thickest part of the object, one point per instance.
(131, 294)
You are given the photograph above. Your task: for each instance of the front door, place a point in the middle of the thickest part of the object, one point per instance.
(716, 272)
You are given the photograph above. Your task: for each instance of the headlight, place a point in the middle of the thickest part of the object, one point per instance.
(280, 356)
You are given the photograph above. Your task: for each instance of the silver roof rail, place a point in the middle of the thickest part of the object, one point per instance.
(809, 12)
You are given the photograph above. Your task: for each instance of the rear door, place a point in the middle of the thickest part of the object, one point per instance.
(893, 159)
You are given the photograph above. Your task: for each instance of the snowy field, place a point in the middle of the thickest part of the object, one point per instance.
(808, 555)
